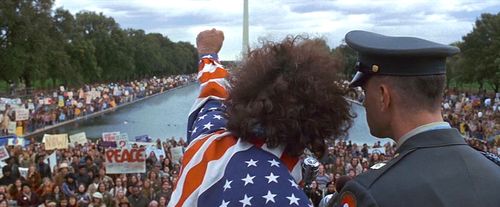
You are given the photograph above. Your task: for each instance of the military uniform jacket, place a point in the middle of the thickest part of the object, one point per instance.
(432, 168)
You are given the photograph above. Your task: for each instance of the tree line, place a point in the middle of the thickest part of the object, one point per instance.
(478, 63)
(38, 42)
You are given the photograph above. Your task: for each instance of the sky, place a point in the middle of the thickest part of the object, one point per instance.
(443, 21)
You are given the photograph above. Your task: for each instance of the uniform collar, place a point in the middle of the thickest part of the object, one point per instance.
(423, 128)
(432, 138)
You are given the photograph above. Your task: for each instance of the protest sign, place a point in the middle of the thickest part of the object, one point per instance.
(110, 136)
(31, 106)
(11, 129)
(55, 141)
(118, 161)
(80, 138)
(22, 114)
(52, 161)
(143, 138)
(157, 151)
(16, 141)
(23, 171)
(376, 150)
(122, 140)
(47, 101)
(145, 144)
(4, 154)
(177, 153)
(109, 139)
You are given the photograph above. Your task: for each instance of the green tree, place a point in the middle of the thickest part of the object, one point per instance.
(348, 58)
(480, 52)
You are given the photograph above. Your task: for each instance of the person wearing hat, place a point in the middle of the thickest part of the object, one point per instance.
(403, 79)
(97, 200)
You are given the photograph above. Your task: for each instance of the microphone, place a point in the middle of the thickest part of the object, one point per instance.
(310, 168)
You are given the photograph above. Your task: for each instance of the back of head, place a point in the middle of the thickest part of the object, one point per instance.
(286, 94)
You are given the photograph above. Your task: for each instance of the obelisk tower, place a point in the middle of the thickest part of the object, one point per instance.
(244, 49)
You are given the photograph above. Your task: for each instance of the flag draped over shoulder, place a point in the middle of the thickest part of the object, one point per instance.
(218, 169)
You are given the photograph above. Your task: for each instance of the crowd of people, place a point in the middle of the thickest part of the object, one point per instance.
(51, 107)
(80, 178)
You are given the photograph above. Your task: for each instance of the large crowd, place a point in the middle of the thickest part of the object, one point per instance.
(46, 108)
(80, 179)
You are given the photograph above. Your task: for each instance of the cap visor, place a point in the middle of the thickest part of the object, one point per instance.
(358, 79)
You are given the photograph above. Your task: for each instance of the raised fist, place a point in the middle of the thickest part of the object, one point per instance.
(209, 41)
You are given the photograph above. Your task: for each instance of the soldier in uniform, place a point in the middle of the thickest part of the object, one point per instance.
(403, 79)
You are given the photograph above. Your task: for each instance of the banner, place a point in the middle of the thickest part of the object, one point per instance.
(55, 141)
(80, 138)
(119, 161)
(22, 114)
(4, 154)
(177, 153)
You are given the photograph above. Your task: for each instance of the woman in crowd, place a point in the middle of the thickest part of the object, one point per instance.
(119, 198)
(314, 193)
(147, 190)
(118, 187)
(69, 187)
(83, 198)
(34, 178)
(16, 189)
(107, 198)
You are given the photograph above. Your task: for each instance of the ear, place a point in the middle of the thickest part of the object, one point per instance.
(384, 97)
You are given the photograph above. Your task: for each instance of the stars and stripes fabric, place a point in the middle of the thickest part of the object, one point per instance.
(218, 169)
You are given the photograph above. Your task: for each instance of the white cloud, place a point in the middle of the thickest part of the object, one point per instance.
(443, 21)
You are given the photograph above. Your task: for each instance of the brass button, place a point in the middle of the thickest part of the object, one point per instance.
(374, 68)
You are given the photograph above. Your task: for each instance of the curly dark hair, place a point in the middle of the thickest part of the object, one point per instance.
(287, 93)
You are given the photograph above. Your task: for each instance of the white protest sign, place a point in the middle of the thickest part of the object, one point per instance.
(24, 172)
(79, 138)
(122, 140)
(12, 127)
(4, 154)
(55, 141)
(22, 114)
(119, 161)
(31, 106)
(52, 161)
(15, 142)
(376, 150)
(110, 136)
(177, 153)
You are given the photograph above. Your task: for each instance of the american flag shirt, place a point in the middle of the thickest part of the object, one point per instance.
(220, 170)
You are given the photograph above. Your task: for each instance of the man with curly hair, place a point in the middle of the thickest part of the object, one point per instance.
(245, 141)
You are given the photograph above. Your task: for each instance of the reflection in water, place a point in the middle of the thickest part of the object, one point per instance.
(165, 116)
